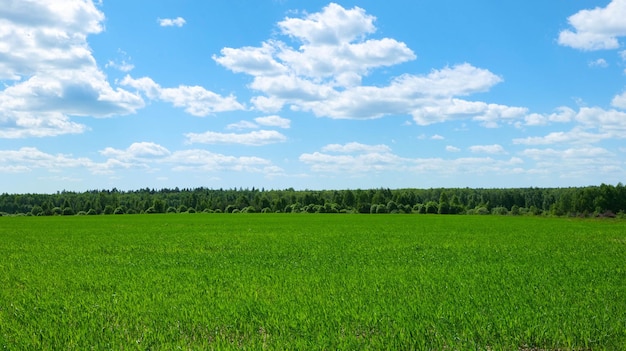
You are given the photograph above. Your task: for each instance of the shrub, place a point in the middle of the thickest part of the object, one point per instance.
(515, 210)
(502, 211)
(36, 210)
(431, 207)
(481, 210)
(108, 209)
(248, 209)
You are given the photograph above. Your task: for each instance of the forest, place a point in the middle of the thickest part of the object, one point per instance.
(604, 200)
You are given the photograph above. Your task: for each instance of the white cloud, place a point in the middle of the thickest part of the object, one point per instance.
(611, 122)
(346, 63)
(451, 148)
(196, 100)
(575, 136)
(429, 99)
(324, 74)
(205, 161)
(120, 65)
(365, 161)
(255, 138)
(619, 101)
(142, 155)
(368, 162)
(242, 125)
(582, 152)
(136, 151)
(437, 137)
(274, 121)
(334, 25)
(437, 111)
(579, 162)
(600, 63)
(561, 115)
(50, 74)
(171, 22)
(355, 147)
(488, 149)
(596, 29)
(252, 60)
(149, 155)
(594, 125)
(27, 159)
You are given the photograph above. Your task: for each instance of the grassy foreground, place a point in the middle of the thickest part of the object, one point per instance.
(272, 281)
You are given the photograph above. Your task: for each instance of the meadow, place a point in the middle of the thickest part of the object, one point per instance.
(312, 282)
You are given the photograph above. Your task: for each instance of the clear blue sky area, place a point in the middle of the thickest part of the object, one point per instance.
(311, 95)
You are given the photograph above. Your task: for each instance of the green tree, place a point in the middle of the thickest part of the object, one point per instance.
(444, 204)
(36, 210)
(431, 207)
(348, 199)
(108, 209)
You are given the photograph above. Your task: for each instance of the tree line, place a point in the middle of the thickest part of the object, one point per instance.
(603, 200)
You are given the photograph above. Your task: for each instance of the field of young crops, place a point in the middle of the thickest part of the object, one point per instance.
(280, 281)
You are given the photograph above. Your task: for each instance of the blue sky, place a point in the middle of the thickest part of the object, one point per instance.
(311, 95)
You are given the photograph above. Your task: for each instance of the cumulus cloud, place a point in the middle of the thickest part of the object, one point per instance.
(196, 100)
(596, 29)
(121, 63)
(323, 74)
(361, 159)
(594, 125)
(355, 147)
(575, 136)
(562, 114)
(575, 162)
(488, 149)
(334, 25)
(242, 125)
(619, 101)
(49, 72)
(205, 161)
(254, 138)
(274, 121)
(252, 60)
(29, 158)
(612, 122)
(599, 63)
(136, 151)
(144, 156)
(171, 22)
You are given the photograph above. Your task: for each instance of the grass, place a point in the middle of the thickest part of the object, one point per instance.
(272, 281)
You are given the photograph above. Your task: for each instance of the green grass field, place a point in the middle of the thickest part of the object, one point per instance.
(312, 282)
